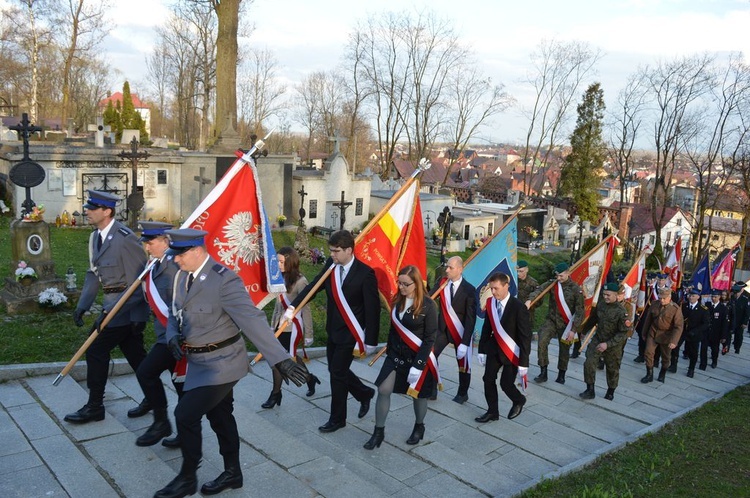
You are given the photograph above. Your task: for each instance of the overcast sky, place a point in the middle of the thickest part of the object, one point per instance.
(309, 35)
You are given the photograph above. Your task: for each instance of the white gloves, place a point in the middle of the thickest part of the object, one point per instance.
(482, 358)
(289, 314)
(522, 379)
(523, 371)
(370, 349)
(414, 374)
(461, 351)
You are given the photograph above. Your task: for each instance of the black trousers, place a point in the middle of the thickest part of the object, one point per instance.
(507, 383)
(217, 404)
(738, 332)
(343, 380)
(442, 339)
(711, 340)
(149, 373)
(130, 340)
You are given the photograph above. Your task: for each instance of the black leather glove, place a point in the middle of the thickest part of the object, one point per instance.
(291, 370)
(98, 322)
(78, 317)
(175, 347)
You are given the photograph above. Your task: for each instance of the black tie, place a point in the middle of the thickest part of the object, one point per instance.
(190, 282)
(341, 273)
(98, 241)
(156, 266)
(451, 291)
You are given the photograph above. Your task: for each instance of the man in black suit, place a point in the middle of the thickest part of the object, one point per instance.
(352, 318)
(458, 314)
(697, 322)
(505, 343)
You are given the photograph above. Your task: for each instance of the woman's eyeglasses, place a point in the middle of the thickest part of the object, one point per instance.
(404, 284)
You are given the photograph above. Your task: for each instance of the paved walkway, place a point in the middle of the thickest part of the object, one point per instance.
(283, 454)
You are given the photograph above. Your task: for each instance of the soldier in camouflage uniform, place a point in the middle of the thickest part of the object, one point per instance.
(612, 324)
(526, 283)
(555, 325)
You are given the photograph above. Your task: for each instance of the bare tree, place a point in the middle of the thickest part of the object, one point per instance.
(305, 105)
(158, 71)
(559, 69)
(260, 91)
(32, 22)
(674, 88)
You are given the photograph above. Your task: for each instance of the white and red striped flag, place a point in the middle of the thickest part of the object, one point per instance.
(673, 265)
(591, 272)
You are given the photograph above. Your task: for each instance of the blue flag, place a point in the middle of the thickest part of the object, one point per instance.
(499, 255)
(701, 279)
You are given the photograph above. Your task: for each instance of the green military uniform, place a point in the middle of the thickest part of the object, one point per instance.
(612, 326)
(526, 287)
(554, 325)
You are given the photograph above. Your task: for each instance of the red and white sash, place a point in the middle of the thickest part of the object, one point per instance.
(566, 314)
(414, 344)
(346, 312)
(155, 301)
(297, 326)
(181, 366)
(455, 327)
(504, 341)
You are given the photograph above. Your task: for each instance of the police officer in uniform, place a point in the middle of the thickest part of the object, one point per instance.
(210, 312)
(697, 322)
(116, 261)
(554, 325)
(739, 306)
(612, 325)
(717, 331)
(157, 289)
(662, 328)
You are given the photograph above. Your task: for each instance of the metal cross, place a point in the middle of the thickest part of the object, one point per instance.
(135, 199)
(302, 213)
(342, 205)
(26, 173)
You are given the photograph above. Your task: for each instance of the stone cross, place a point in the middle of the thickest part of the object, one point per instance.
(202, 180)
(342, 205)
(99, 130)
(336, 139)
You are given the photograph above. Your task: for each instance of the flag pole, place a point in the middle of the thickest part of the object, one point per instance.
(423, 165)
(468, 260)
(574, 267)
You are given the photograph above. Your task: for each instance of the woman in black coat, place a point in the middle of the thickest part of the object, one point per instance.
(407, 368)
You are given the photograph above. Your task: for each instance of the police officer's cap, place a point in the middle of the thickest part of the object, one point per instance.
(694, 291)
(183, 239)
(561, 267)
(737, 287)
(152, 229)
(522, 264)
(716, 292)
(612, 287)
(98, 199)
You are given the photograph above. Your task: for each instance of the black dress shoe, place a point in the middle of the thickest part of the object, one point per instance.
(364, 406)
(158, 430)
(140, 410)
(461, 398)
(89, 413)
(331, 426)
(515, 410)
(230, 478)
(179, 487)
(311, 385)
(172, 442)
(487, 417)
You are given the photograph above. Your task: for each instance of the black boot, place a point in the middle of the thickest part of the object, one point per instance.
(662, 375)
(691, 372)
(161, 428)
(143, 408)
(560, 377)
(172, 442)
(610, 393)
(589, 393)
(91, 411)
(542, 377)
(649, 375)
(273, 400)
(311, 381)
(416, 434)
(639, 359)
(673, 367)
(377, 437)
(230, 478)
(180, 486)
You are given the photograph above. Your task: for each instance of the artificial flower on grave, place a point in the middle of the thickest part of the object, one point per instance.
(52, 298)
(24, 271)
(36, 214)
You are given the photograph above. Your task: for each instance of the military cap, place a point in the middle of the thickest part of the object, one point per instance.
(98, 199)
(152, 229)
(738, 287)
(740, 283)
(522, 264)
(651, 275)
(664, 291)
(561, 267)
(694, 290)
(183, 239)
(662, 275)
(612, 287)
(716, 292)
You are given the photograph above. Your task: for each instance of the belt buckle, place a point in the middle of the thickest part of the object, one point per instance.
(211, 347)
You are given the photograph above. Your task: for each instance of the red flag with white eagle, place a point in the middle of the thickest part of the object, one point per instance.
(396, 240)
(673, 265)
(722, 276)
(239, 235)
(591, 273)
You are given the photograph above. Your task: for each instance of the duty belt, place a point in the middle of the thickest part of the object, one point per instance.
(115, 289)
(211, 347)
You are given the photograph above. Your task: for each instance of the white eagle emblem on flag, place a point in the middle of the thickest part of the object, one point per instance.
(243, 241)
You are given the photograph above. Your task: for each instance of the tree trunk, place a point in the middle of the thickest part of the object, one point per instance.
(227, 12)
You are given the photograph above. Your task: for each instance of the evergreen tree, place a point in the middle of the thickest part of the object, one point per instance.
(128, 116)
(580, 177)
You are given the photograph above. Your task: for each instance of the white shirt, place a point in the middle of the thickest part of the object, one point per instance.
(104, 232)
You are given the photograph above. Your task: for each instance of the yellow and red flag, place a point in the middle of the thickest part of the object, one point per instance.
(396, 240)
